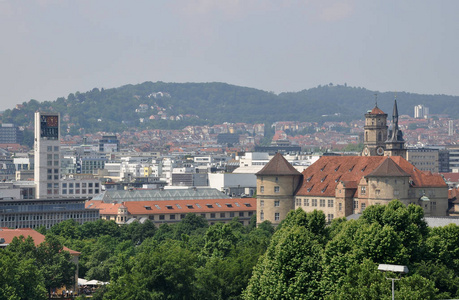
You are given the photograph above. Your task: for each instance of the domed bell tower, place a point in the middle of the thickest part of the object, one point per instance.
(375, 132)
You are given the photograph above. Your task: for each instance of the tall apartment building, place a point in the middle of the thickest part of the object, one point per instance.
(421, 112)
(424, 159)
(450, 127)
(10, 134)
(47, 155)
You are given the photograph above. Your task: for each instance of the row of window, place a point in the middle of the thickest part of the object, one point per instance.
(313, 202)
(78, 191)
(276, 216)
(276, 203)
(276, 189)
(211, 216)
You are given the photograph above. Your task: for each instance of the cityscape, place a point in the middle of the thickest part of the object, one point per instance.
(234, 150)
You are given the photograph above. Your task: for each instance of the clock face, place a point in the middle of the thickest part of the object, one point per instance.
(380, 151)
(366, 152)
(51, 121)
(49, 127)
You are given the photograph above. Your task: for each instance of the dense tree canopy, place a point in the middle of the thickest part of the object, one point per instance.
(303, 258)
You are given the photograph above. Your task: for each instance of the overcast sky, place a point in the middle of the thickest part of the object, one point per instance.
(50, 48)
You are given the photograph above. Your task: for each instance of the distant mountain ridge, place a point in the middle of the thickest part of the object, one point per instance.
(161, 105)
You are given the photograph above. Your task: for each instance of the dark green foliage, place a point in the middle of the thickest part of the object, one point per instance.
(304, 258)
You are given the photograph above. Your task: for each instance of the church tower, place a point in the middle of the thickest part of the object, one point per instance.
(375, 132)
(395, 144)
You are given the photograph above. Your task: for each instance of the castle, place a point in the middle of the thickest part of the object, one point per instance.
(344, 185)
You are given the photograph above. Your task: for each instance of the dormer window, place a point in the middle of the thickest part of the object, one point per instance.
(323, 179)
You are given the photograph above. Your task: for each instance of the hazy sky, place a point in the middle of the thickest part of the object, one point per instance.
(50, 48)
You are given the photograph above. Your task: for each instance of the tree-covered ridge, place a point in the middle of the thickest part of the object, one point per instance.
(176, 105)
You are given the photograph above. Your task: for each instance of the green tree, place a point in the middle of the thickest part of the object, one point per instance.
(290, 268)
(55, 264)
(20, 277)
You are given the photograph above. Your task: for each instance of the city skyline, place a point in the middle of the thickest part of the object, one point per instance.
(54, 48)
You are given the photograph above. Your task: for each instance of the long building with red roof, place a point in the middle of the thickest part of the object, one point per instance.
(345, 185)
(172, 211)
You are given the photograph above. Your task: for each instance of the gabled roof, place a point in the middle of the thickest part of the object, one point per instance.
(38, 238)
(176, 206)
(322, 177)
(388, 168)
(279, 166)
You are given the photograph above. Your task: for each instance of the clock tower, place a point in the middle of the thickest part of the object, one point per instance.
(47, 155)
(375, 132)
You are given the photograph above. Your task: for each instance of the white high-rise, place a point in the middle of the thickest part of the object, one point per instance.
(47, 155)
(421, 112)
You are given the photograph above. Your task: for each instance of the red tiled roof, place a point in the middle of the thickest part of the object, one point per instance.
(388, 168)
(38, 238)
(187, 206)
(278, 165)
(377, 111)
(104, 208)
(176, 206)
(322, 177)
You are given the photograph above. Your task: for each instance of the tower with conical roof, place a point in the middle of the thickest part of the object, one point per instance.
(395, 144)
(277, 183)
(375, 132)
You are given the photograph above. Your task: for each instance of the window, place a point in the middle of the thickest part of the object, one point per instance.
(330, 202)
(250, 213)
(241, 214)
(212, 215)
(363, 206)
(276, 189)
(171, 217)
(356, 204)
(276, 203)
(182, 216)
(161, 217)
(50, 171)
(262, 189)
(330, 217)
(262, 216)
(276, 216)
(231, 214)
(322, 202)
(363, 190)
(314, 202)
(49, 148)
(277, 179)
(49, 156)
(377, 192)
(222, 215)
(262, 203)
(56, 148)
(306, 202)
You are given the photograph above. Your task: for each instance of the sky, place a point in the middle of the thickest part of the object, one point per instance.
(51, 48)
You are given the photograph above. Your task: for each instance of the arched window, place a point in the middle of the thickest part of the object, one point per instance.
(379, 136)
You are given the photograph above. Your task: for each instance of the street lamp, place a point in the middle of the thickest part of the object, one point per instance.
(395, 269)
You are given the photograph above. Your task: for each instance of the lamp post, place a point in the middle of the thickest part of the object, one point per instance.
(395, 269)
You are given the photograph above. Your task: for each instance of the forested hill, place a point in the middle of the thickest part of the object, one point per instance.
(117, 109)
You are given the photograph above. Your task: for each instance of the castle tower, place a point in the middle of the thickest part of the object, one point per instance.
(47, 155)
(276, 186)
(375, 132)
(395, 144)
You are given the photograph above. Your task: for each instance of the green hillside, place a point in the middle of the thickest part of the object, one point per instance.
(113, 110)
